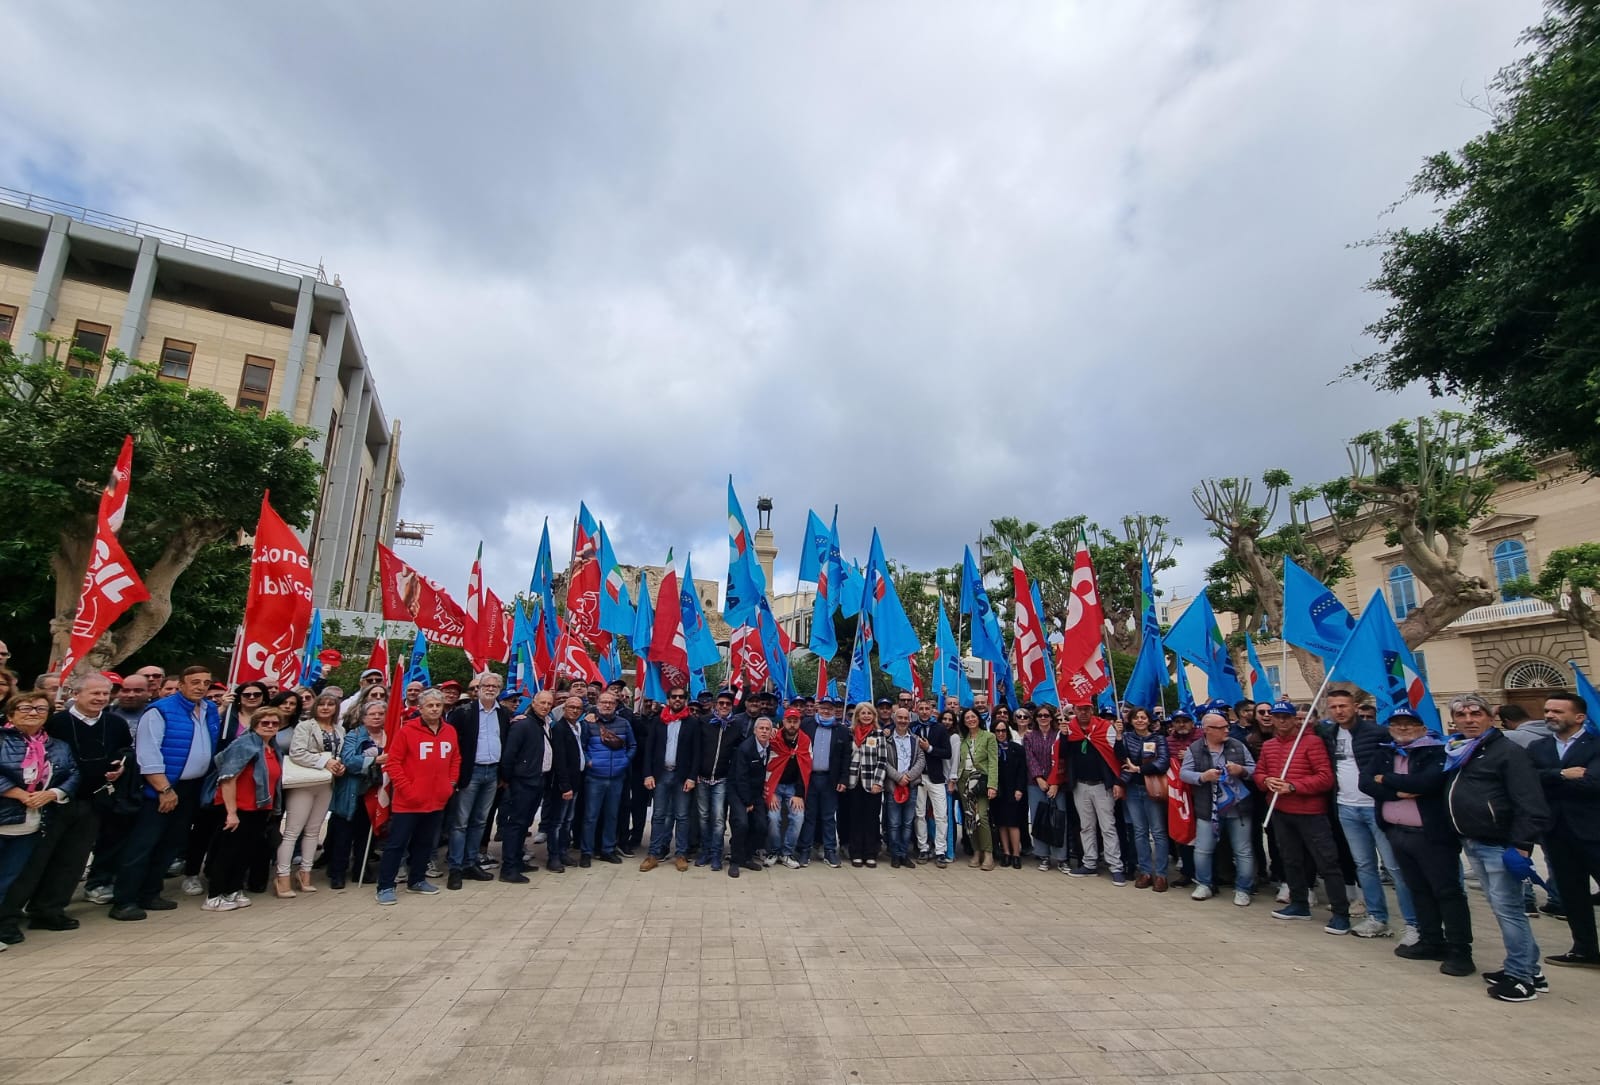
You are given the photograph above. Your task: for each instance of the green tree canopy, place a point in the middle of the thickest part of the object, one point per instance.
(1499, 300)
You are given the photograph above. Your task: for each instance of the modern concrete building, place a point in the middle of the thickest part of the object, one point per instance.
(264, 333)
(1513, 649)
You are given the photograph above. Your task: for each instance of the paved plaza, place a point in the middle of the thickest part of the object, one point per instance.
(609, 975)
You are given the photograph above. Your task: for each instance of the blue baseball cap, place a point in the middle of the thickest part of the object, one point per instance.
(1284, 708)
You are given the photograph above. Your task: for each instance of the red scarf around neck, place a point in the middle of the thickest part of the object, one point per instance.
(781, 753)
(669, 716)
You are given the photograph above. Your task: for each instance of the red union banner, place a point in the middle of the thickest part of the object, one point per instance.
(110, 584)
(278, 608)
(1082, 670)
(408, 596)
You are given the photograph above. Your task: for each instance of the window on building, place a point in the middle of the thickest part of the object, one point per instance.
(1273, 678)
(1510, 563)
(1402, 591)
(1534, 674)
(88, 339)
(8, 321)
(255, 384)
(177, 358)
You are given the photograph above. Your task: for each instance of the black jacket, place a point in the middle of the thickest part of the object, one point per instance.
(839, 748)
(939, 748)
(652, 735)
(1495, 796)
(94, 747)
(714, 749)
(1365, 738)
(565, 775)
(1574, 804)
(747, 776)
(1424, 777)
(1013, 769)
(464, 718)
(523, 756)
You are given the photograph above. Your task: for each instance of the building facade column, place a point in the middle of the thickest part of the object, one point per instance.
(332, 545)
(41, 312)
(136, 314)
(299, 337)
(365, 534)
(327, 380)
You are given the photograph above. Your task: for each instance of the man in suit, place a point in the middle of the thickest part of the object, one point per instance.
(1568, 764)
(565, 783)
(747, 800)
(668, 746)
(481, 726)
(529, 758)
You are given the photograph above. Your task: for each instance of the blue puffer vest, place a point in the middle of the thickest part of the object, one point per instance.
(178, 713)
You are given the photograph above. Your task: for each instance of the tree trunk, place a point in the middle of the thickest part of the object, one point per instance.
(1453, 592)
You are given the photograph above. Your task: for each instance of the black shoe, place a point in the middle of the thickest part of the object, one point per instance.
(611, 857)
(557, 867)
(158, 904)
(1421, 952)
(1182, 882)
(454, 880)
(1513, 990)
(10, 935)
(1457, 966)
(256, 888)
(1568, 960)
(1554, 911)
(335, 883)
(584, 860)
(629, 851)
(1540, 984)
(909, 863)
(52, 923)
(894, 862)
(476, 874)
(751, 864)
(127, 912)
(733, 870)
(515, 879)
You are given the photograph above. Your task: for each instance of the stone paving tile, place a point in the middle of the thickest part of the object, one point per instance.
(845, 976)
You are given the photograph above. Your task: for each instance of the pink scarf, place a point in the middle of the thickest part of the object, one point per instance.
(36, 759)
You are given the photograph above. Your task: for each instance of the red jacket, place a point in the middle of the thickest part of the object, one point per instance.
(1311, 773)
(423, 765)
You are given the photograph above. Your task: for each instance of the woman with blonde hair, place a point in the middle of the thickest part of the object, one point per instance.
(314, 764)
(863, 795)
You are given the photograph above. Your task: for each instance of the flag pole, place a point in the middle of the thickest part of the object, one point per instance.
(366, 853)
(1311, 710)
(1111, 666)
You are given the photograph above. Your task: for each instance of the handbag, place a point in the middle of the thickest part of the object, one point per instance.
(297, 775)
(1156, 787)
(1047, 825)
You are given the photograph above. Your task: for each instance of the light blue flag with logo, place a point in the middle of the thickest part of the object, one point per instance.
(697, 638)
(890, 626)
(747, 582)
(1312, 618)
(417, 668)
(949, 676)
(1586, 690)
(310, 664)
(1260, 684)
(1197, 638)
(987, 644)
(1375, 657)
(1149, 675)
(616, 609)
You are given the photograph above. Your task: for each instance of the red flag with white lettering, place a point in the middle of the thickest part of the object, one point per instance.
(110, 584)
(475, 635)
(408, 596)
(1032, 659)
(668, 647)
(747, 659)
(379, 659)
(1180, 808)
(277, 611)
(583, 605)
(1082, 670)
(379, 798)
(495, 624)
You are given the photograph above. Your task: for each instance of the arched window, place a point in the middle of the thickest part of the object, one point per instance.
(1534, 674)
(1402, 591)
(1510, 562)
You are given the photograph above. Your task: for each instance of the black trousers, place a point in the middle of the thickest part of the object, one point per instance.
(411, 838)
(229, 853)
(347, 840)
(114, 830)
(155, 840)
(208, 818)
(865, 821)
(517, 806)
(747, 830)
(46, 884)
(635, 812)
(1574, 862)
(1299, 833)
(1432, 871)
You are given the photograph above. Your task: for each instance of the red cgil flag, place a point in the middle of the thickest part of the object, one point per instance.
(408, 596)
(1082, 670)
(495, 624)
(583, 604)
(379, 798)
(668, 648)
(916, 682)
(573, 662)
(110, 584)
(1033, 661)
(379, 659)
(277, 611)
(476, 634)
(1180, 808)
(747, 659)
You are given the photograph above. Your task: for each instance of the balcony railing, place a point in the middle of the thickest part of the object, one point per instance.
(31, 202)
(1503, 612)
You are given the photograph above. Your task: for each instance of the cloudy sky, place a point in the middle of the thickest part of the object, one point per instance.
(934, 262)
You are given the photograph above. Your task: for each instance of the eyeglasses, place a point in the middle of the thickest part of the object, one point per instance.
(269, 723)
(256, 693)
(32, 710)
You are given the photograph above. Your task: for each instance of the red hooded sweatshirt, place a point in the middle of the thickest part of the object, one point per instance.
(424, 765)
(1311, 773)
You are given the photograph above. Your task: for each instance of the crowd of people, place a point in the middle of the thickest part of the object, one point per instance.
(121, 783)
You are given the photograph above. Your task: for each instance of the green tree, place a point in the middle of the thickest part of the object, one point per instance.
(1499, 300)
(199, 470)
(1570, 582)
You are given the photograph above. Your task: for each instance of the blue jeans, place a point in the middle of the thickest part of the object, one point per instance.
(410, 839)
(899, 817)
(1041, 850)
(711, 805)
(602, 798)
(1148, 817)
(670, 811)
(822, 808)
(1505, 900)
(1367, 842)
(472, 814)
(1239, 831)
(781, 842)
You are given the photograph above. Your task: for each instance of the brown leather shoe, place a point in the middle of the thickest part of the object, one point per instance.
(681, 863)
(1160, 885)
(650, 863)
(1142, 882)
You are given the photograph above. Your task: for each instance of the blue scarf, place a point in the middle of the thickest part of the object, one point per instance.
(1458, 749)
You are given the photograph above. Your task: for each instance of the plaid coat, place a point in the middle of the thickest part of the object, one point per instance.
(869, 759)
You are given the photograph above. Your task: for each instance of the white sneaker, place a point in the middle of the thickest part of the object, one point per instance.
(239, 899)
(1410, 936)
(434, 870)
(1044, 864)
(1371, 928)
(771, 860)
(1201, 892)
(219, 904)
(791, 862)
(1241, 899)
(1283, 893)
(193, 888)
(100, 894)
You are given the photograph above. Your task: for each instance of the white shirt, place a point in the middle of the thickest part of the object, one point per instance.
(1347, 771)
(1563, 747)
(902, 752)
